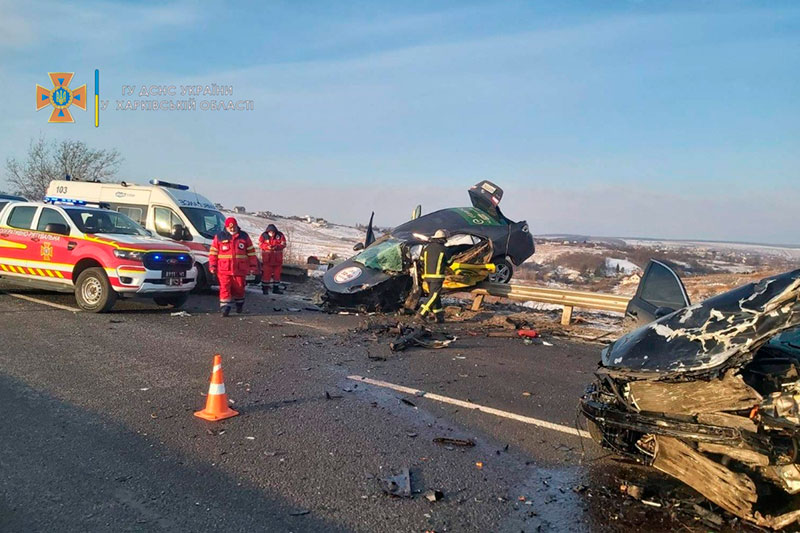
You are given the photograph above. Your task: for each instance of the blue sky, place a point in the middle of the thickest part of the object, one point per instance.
(624, 118)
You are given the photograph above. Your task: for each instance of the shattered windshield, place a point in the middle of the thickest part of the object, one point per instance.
(385, 255)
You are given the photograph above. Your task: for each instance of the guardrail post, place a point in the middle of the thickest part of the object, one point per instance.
(566, 315)
(477, 302)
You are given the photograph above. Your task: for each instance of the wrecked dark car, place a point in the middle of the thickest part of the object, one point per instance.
(709, 393)
(384, 274)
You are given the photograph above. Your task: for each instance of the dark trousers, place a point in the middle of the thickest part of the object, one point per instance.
(433, 304)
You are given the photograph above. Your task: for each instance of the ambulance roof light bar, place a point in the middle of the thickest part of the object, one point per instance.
(54, 200)
(167, 184)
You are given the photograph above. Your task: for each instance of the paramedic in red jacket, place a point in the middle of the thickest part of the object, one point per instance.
(232, 256)
(272, 242)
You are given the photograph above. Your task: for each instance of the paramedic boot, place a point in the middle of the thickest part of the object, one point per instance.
(226, 310)
(276, 289)
(264, 288)
(239, 307)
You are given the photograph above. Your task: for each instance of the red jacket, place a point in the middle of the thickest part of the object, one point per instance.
(275, 244)
(232, 255)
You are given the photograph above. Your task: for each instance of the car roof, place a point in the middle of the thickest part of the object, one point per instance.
(12, 197)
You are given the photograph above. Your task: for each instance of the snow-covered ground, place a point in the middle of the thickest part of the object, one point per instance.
(621, 265)
(304, 239)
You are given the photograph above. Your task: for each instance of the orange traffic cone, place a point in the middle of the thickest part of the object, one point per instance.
(217, 401)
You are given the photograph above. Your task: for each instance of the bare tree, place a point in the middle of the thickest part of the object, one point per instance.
(52, 161)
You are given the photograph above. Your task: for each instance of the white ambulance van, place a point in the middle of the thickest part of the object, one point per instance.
(168, 209)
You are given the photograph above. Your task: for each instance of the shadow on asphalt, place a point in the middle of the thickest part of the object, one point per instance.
(68, 469)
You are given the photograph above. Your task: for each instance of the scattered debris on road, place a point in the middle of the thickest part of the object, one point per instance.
(422, 337)
(447, 441)
(399, 485)
(180, 314)
(434, 495)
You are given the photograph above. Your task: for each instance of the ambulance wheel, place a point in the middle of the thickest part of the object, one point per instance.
(202, 284)
(93, 291)
(175, 300)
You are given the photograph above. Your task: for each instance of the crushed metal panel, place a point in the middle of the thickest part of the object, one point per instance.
(730, 393)
(708, 334)
(733, 492)
(743, 455)
(728, 420)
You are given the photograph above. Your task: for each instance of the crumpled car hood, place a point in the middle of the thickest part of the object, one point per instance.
(728, 328)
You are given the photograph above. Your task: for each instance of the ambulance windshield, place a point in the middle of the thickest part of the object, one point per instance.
(104, 221)
(207, 222)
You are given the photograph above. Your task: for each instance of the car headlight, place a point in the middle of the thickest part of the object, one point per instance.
(129, 254)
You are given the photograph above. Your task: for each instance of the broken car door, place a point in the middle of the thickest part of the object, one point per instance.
(660, 292)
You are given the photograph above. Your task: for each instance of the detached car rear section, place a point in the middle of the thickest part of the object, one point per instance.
(98, 254)
(709, 393)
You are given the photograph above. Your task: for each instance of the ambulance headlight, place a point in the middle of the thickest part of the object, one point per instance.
(131, 255)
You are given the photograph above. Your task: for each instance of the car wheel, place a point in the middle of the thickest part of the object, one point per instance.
(175, 300)
(504, 272)
(202, 281)
(93, 291)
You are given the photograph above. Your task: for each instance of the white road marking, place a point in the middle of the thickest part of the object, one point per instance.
(477, 407)
(43, 302)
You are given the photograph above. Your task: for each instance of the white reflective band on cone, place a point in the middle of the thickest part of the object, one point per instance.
(216, 368)
(216, 388)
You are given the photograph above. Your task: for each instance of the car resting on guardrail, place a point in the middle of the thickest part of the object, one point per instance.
(385, 274)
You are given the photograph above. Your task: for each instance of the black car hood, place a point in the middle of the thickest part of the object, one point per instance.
(351, 276)
(728, 328)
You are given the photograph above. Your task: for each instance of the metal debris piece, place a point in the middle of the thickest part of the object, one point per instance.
(423, 337)
(180, 313)
(447, 441)
(399, 485)
(634, 491)
(434, 495)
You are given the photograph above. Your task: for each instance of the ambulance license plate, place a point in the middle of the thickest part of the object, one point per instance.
(173, 274)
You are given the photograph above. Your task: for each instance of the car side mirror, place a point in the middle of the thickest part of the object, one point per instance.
(187, 235)
(663, 311)
(358, 246)
(177, 232)
(61, 229)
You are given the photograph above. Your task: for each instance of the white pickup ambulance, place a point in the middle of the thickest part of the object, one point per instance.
(96, 253)
(169, 209)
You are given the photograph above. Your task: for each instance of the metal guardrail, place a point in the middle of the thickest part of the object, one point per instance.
(566, 298)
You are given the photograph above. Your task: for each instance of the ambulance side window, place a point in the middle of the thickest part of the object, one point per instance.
(21, 217)
(165, 219)
(50, 216)
(134, 213)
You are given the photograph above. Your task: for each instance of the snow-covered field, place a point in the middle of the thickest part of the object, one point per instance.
(304, 238)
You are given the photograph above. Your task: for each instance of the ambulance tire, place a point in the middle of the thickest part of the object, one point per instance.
(202, 284)
(93, 291)
(175, 300)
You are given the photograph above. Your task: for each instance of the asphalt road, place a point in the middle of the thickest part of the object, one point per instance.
(98, 433)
